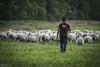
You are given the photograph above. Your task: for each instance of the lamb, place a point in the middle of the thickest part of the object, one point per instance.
(22, 37)
(44, 36)
(80, 41)
(95, 36)
(47, 36)
(88, 39)
(99, 35)
(33, 39)
(72, 36)
(12, 35)
(3, 35)
(53, 36)
(41, 36)
(85, 34)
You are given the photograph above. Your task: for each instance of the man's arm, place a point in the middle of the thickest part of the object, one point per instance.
(69, 28)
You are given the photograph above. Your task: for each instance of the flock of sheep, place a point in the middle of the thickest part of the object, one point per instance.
(77, 36)
(85, 36)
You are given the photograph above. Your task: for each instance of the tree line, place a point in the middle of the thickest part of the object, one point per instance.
(49, 9)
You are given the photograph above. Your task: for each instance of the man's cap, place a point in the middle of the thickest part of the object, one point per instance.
(63, 19)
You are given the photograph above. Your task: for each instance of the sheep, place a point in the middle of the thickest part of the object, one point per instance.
(22, 37)
(86, 31)
(3, 35)
(41, 36)
(85, 34)
(44, 36)
(12, 35)
(95, 36)
(53, 36)
(33, 39)
(99, 35)
(48, 35)
(72, 36)
(88, 39)
(80, 41)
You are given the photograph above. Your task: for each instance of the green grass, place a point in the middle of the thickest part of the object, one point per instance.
(46, 54)
(22, 54)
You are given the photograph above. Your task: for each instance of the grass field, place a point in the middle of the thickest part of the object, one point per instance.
(45, 54)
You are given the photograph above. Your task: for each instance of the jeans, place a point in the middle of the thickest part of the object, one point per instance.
(63, 43)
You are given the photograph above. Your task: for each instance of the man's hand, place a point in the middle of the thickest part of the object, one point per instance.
(58, 31)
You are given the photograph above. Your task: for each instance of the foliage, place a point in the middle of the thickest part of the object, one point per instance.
(49, 9)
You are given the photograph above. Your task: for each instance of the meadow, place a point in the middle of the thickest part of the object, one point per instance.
(47, 54)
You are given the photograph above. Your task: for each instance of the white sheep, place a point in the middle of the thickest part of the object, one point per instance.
(80, 41)
(3, 35)
(44, 36)
(33, 38)
(22, 37)
(12, 35)
(72, 36)
(95, 36)
(88, 39)
(53, 36)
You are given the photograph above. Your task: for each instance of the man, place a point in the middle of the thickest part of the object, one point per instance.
(62, 32)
